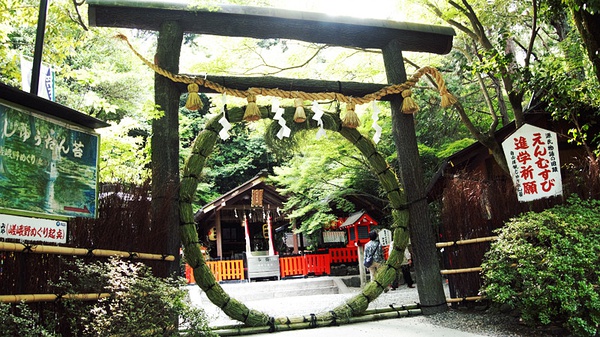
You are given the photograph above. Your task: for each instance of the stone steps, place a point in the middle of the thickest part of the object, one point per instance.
(259, 290)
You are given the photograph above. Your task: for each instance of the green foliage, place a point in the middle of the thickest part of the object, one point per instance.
(124, 152)
(21, 321)
(321, 175)
(455, 146)
(141, 305)
(569, 91)
(239, 158)
(543, 265)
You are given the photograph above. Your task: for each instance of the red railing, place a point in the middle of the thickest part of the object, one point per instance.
(222, 270)
(292, 266)
(343, 255)
(301, 265)
(317, 264)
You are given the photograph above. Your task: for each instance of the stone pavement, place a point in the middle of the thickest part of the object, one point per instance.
(304, 305)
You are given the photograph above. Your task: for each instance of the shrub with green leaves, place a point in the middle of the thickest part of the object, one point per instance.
(20, 320)
(545, 266)
(141, 305)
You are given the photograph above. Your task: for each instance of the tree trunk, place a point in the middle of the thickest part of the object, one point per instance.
(165, 142)
(429, 280)
(588, 26)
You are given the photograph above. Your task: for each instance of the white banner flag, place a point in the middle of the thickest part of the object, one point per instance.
(46, 80)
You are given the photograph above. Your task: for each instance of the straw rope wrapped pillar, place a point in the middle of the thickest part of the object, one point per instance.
(431, 292)
(202, 148)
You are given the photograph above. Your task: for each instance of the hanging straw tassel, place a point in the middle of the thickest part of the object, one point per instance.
(351, 118)
(193, 100)
(409, 106)
(447, 98)
(299, 115)
(252, 111)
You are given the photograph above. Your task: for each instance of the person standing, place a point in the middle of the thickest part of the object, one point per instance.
(405, 267)
(373, 254)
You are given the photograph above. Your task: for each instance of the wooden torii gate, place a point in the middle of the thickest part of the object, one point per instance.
(172, 19)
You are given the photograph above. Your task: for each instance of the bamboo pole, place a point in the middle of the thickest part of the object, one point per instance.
(462, 299)
(460, 270)
(42, 249)
(51, 297)
(306, 318)
(466, 242)
(314, 323)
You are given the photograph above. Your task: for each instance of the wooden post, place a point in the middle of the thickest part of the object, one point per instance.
(294, 236)
(429, 280)
(218, 230)
(165, 141)
(361, 266)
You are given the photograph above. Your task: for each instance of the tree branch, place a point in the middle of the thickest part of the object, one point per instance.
(281, 69)
(79, 20)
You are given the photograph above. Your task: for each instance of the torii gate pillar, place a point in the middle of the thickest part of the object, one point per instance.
(429, 280)
(165, 140)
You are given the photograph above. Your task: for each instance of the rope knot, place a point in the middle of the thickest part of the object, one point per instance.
(351, 118)
(252, 111)
(299, 115)
(409, 106)
(193, 102)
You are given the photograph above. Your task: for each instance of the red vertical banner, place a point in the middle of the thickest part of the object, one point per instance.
(246, 234)
(270, 226)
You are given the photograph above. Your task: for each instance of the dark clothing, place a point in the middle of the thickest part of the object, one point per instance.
(373, 248)
(406, 274)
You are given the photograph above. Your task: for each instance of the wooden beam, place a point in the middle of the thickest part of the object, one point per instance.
(270, 23)
(354, 89)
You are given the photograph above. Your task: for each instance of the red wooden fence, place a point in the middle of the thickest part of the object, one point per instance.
(318, 264)
(222, 270)
(292, 266)
(343, 255)
(301, 265)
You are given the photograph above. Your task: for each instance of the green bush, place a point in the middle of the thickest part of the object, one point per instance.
(545, 266)
(141, 305)
(20, 320)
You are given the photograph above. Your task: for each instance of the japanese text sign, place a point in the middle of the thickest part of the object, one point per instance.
(30, 229)
(48, 168)
(532, 156)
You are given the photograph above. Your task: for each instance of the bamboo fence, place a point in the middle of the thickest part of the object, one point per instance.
(28, 298)
(44, 249)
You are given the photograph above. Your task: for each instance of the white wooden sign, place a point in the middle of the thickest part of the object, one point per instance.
(31, 229)
(533, 160)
